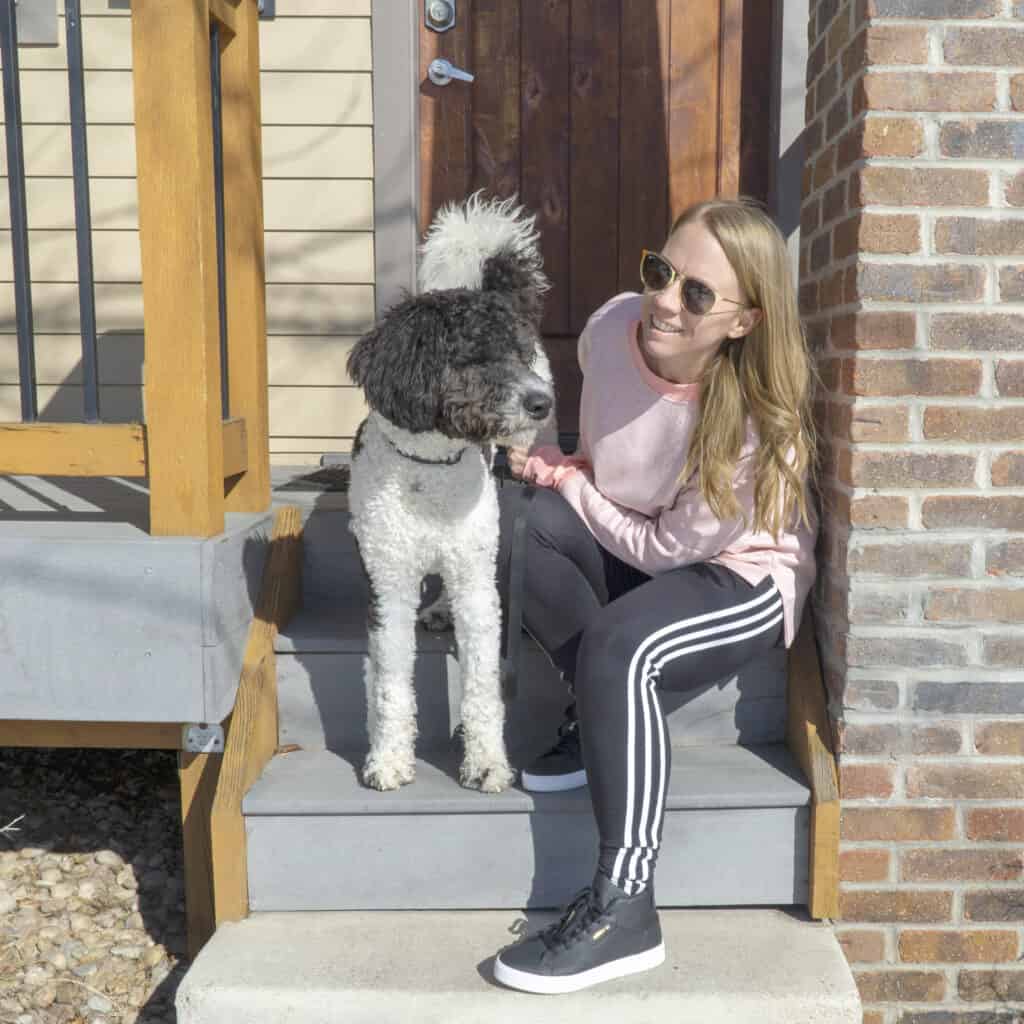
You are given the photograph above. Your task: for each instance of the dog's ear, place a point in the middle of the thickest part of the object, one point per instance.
(397, 364)
(521, 282)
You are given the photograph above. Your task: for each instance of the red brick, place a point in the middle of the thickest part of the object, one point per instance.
(911, 559)
(871, 695)
(1017, 92)
(1008, 470)
(926, 91)
(861, 945)
(906, 650)
(998, 738)
(917, 469)
(973, 236)
(994, 905)
(953, 604)
(1010, 378)
(994, 865)
(898, 824)
(933, 8)
(1005, 558)
(1011, 284)
(873, 1017)
(911, 282)
(963, 512)
(935, 739)
(966, 781)
(880, 513)
(1014, 190)
(864, 865)
(978, 331)
(879, 423)
(919, 946)
(874, 330)
(917, 377)
(981, 46)
(866, 782)
(891, 136)
(810, 217)
(919, 186)
(946, 423)
(980, 140)
(996, 824)
(991, 986)
(1003, 651)
(884, 906)
(901, 986)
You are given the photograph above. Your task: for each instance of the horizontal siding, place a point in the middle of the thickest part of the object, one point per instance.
(318, 214)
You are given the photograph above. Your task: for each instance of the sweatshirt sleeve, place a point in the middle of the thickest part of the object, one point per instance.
(683, 534)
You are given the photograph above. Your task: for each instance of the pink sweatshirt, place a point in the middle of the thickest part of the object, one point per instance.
(635, 431)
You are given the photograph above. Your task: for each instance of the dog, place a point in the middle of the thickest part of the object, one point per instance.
(447, 374)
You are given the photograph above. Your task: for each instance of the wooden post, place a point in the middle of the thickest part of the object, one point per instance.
(174, 152)
(198, 775)
(246, 295)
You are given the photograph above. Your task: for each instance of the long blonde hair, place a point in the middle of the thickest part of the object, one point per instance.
(767, 375)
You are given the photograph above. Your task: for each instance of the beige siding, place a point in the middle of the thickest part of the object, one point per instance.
(318, 213)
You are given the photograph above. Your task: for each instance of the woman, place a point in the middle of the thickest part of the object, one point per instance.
(673, 548)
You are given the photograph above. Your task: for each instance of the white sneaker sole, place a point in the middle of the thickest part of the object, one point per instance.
(552, 783)
(548, 986)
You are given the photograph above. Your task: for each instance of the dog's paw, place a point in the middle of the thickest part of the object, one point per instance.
(436, 620)
(491, 778)
(385, 775)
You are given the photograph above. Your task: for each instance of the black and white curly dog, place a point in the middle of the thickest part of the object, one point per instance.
(447, 374)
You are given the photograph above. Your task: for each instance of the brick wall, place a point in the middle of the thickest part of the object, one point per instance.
(912, 283)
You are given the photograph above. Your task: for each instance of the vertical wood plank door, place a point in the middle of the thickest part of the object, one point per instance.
(605, 117)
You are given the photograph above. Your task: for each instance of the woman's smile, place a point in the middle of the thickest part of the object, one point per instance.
(665, 328)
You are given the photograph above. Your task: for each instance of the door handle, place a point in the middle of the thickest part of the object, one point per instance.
(441, 72)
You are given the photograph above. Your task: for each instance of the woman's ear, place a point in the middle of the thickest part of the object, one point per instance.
(747, 320)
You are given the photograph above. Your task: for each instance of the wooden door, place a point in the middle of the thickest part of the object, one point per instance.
(605, 117)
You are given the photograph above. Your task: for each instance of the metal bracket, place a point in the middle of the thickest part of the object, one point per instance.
(200, 738)
(267, 10)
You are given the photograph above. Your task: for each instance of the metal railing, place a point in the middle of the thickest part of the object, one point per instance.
(201, 237)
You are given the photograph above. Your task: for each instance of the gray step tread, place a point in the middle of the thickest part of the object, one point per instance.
(339, 627)
(744, 966)
(323, 782)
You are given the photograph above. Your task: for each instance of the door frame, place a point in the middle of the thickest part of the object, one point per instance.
(395, 40)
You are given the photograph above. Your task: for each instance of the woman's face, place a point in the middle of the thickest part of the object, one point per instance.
(678, 344)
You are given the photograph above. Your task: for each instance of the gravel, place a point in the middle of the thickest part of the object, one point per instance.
(92, 918)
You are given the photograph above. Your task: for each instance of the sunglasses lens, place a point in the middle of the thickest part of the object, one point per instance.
(655, 273)
(697, 297)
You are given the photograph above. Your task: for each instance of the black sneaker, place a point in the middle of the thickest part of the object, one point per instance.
(561, 767)
(603, 934)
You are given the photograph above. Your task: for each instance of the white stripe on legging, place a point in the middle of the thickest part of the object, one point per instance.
(665, 631)
(651, 704)
(669, 651)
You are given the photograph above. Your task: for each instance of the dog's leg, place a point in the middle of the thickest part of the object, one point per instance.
(391, 761)
(477, 614)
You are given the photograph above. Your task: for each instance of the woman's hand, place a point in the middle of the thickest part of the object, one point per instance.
(516, 458)
(547, 466)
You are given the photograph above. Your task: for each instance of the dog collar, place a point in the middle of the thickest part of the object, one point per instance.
(419, 458)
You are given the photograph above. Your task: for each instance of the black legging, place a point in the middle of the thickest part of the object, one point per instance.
(618, 634)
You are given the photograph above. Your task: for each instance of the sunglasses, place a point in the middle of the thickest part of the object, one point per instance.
(657, 274)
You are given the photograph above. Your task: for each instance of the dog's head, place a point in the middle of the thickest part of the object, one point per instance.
(465, 362)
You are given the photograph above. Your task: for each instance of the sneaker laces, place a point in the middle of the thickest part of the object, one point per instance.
(577, 917)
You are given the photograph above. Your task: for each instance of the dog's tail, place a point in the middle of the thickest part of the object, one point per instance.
(482, 243)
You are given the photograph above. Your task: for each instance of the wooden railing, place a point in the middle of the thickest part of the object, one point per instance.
(199, 464)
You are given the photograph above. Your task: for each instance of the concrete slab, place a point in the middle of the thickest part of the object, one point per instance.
(737, 966)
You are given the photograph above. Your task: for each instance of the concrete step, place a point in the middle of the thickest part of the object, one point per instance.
(736, 832)
(738, 966)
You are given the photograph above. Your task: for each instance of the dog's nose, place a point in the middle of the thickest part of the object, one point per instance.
(537, 404)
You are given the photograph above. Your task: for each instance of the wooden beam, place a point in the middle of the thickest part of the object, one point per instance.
(197, 776)
(243, 241)
(73, 449)
(252, 735)
(730, 84)
(177, 233)
(809, 736)
(236, 450)
(226, 12)
(16, 732)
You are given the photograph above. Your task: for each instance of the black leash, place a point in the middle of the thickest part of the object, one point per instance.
(513, 634)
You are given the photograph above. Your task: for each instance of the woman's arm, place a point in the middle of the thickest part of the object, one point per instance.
(683, 534)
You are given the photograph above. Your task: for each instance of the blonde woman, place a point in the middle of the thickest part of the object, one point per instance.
(674, 547)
